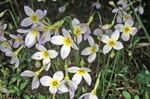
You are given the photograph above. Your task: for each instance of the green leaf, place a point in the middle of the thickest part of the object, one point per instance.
(23, 84)
(40, 97)
(136, 97)
(126, 95)
(26, 97)
(13, 79)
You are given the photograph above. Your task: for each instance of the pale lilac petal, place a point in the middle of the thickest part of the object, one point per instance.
(134, 30)
(28, 10)
(52, 53)
(91, 41)
(52, 90)
(115, 35)
(125, 37)
(106, 49)
(76, 78)
(40, 47)
(87, 78)
(63, 88)
(27, 73)
(75, 22)
(39, 14)
(118, 45)
(86, 51)
(105, 38)
(57, 40)
(48, 67)
(98, 32)
(23, 30)
(26, 22)
(65, 50)
(86, 69)
(73, 69)
(35, 82)
(37, 56)
(74, 46)
(46, 61)
(119, 27)
(93, 96)
(45, 80)
(58, 75)
(91, 58)
(84, 95)
(66, 33)
(30, 39)
(129, 22)
(79, 39)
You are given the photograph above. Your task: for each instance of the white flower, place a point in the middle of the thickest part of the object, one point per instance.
(44, 54)
(111, 42)
(14, 58)
(55, 84)
(32, 37)
(72, 86)
(89, 96)
(98, 32)
(18, 40)
(126, 29)
(79, 73)
(2, 28)
(91, 51)
(66, 41)
(123, 16)
(6, 46)
(35, 81)
(78, 30)
(33, 17)
(96, 4)
(139, 9)
(123, 3)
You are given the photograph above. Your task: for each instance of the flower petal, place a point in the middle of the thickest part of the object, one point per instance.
(106, 49)
(86, 69)
(118, 45)
(125, 37)
(76, 78)
(98, 32)
(134, 30)
(119, 27)
(26, 22)
(58, 75)
(63, 88)
(23, 30)
(28, 10)
(52, 53)
(129, 22)
(91, 41)
(40, 47)
(73, 69)
(48, 66)
(30, 39)
(45, 80)
(37, 56)
(65, 33)
(39, 13)
(87, 78)
(115, 35)
(74, 46)
(65, 50)
(57, 40)
(35, 82)
(85, 96)
(52, 90)
(46, 61)
(105, 38)
(79, 39)
(93, 96)
(91, 58)
(27, 73)
(86, 51)
(75, 22)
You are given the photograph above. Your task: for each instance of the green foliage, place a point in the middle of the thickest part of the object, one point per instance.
(126, 94)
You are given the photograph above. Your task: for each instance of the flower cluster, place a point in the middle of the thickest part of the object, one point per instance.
(38, 32)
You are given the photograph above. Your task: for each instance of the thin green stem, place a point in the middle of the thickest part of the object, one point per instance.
(53, 97)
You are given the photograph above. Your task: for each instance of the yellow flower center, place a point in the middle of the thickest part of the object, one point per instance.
(45, 54)
(125, 17)
(6, 44)
(34, 18)
(81, 72)
(19, 39)
(126, 29)
(67, 41)
(77, 31)
(34, 32)
(54, 83)
(111, 42)
(92, 50)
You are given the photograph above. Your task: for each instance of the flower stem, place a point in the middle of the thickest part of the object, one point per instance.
(53, 97)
